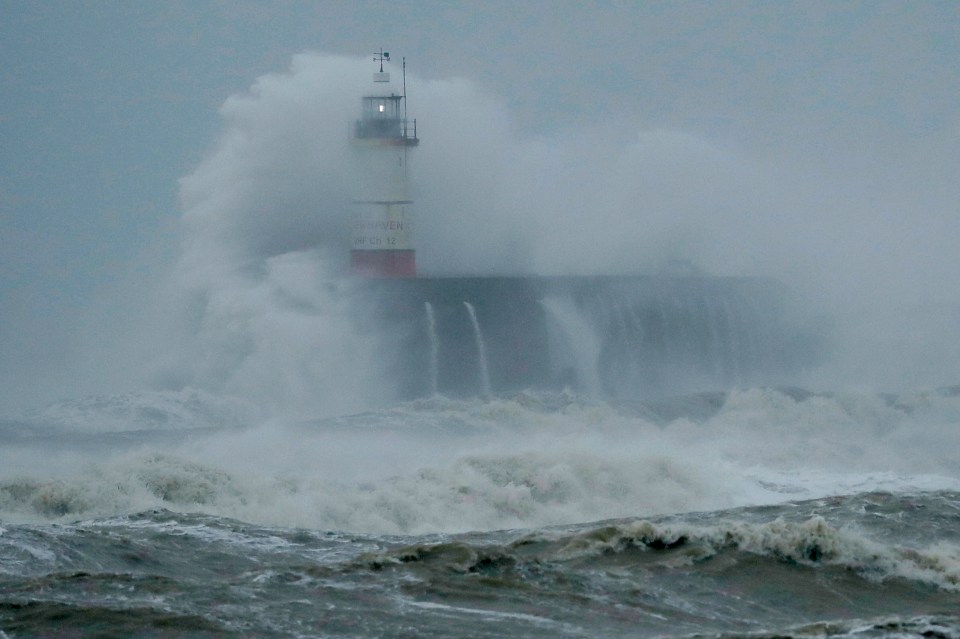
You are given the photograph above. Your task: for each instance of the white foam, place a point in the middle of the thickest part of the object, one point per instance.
(938, 564)
(445, 465)
(810, 542)
(493, 614)
(144, 410)
(15, 554)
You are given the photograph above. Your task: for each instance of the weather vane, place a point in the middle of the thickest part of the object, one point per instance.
(380, 57)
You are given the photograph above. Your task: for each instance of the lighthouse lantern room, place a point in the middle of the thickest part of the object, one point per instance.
(381, 244)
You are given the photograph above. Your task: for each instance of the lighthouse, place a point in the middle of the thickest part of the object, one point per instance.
(382, 238)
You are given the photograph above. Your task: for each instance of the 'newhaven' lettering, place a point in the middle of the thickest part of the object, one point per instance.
(381, 225)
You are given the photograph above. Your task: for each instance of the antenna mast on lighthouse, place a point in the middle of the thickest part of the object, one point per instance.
(381, 245)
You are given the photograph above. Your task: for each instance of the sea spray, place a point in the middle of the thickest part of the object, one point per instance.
(434, 348)
(481, 349)
(534, 515)
(735, 351)
(582, 350)
(525, 461)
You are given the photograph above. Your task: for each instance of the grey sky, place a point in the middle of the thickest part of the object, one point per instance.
(106, 105)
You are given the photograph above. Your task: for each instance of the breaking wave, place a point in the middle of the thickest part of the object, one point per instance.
(528, 460)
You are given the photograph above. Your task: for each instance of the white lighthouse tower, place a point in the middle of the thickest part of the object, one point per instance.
(381, 244)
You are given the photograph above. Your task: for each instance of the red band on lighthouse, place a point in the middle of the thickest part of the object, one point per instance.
(383, 263)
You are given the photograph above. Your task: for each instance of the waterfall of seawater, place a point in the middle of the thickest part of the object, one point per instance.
(580, 340)
(481, 349)
(625, 338)
(434, 349)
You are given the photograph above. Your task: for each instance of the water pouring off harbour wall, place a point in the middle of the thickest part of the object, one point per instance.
(481, 349)
(623, 337)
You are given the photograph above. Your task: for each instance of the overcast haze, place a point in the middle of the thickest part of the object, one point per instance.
(149, 150)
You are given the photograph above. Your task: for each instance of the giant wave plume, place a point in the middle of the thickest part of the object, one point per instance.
(254, 306)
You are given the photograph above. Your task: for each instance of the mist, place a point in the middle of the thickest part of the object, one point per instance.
(601, 198)
(868, 256)
(812, 144)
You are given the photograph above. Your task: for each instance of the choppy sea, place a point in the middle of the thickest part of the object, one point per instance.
(758, 512)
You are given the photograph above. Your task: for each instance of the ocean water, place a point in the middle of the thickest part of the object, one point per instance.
(757, 512)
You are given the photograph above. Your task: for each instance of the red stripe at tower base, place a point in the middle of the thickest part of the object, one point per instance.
(384, 263)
